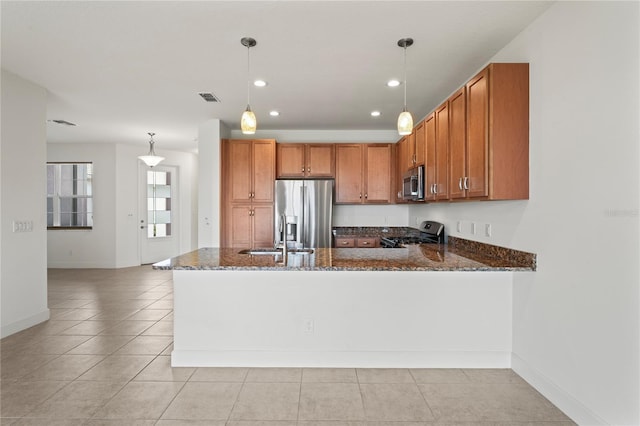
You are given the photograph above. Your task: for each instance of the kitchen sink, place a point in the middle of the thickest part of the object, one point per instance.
(274, 252)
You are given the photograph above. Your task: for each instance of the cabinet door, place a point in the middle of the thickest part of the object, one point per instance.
(420, 148)
(457, 145)
(442, 152)
(378, 171)
(239, 229)
(320, 160)
(239, 170)
(349, 174)
(410, 160)
(264, 170)
(403, 153)
(291, 160)
(430, 156)
(262, 226)
(478, 135)
(398, 173)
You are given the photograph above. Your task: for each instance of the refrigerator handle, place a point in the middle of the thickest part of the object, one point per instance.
(304, 237)
(278, 234)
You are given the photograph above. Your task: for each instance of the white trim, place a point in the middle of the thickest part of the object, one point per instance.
(14, 327)
(339, 359)
(576, 410)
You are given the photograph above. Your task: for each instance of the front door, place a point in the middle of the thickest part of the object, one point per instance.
(159, 213)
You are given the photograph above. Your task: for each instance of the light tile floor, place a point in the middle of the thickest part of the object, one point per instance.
(104, 359)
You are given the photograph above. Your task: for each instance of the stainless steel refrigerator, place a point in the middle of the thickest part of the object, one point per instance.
(303, 213)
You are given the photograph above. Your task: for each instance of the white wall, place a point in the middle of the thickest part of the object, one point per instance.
(209, 135)
(94, 248)
(114, 240)
(576, 320)
(23, 277)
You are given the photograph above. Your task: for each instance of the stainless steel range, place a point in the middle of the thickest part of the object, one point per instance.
(429, 232)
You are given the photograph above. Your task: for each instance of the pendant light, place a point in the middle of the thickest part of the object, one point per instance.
(405, 120)
(151, 159)
(248, 121)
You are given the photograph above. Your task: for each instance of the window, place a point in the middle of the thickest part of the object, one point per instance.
(158, 204)
(69, 195)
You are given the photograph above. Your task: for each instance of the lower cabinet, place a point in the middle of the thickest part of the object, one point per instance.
(250, 226)
(359, 242)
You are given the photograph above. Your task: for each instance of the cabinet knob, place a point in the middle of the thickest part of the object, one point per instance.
(360, 195)
(302, 169)
(366, 196)
(344, 243)
(365, 243)
(460, 184)
(465, 183)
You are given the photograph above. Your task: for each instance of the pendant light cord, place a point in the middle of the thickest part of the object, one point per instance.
(405, 77)
(248, 85)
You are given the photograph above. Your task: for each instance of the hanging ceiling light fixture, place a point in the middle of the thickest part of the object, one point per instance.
(248, 121)
(405, 120)
(151, 159)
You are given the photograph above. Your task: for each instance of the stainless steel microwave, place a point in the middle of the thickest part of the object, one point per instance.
(413, 184)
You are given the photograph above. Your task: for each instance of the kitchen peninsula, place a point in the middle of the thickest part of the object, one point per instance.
(427, 305)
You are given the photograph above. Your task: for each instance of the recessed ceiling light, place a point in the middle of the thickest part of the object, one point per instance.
(393, 83)
(259, 83)
(375, 113)
(274, 113)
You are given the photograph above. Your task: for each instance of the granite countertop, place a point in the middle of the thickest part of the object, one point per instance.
(457, 255)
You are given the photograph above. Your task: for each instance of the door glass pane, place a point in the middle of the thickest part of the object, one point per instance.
(158, 204)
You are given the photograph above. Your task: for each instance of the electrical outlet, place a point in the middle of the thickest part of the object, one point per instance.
(487, 229)
(22, 226)
(473, 228)
(459, 227)
(308, 326)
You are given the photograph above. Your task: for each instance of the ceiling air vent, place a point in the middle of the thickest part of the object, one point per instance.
(63, 122)
(209, 97)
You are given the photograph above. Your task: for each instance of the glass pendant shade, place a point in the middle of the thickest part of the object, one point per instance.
(151, 159)
(405, 123)
(248, 122)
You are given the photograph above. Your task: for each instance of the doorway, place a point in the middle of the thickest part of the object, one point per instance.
(159, 230)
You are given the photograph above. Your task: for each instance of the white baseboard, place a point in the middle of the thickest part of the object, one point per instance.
(569, 405)
(418, 359)
(14, 327)
(79, 265)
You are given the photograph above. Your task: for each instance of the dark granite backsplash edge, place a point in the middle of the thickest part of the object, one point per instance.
(517, 257)
(374, 231)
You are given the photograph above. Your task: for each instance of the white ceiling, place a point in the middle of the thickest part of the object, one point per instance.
(120, 69)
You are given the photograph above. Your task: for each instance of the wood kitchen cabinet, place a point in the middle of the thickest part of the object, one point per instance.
(490, 160)
(430, 161)
(249, 170)
(305, 160)
(248, 175)
(359, 242)
(250, 226)
(363, 173)
(441, 126)
(399, 158)
(457, 144)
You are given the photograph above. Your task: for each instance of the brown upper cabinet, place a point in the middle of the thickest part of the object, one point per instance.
(491, 160)
(297, 160)
(250, 170)
(364, 173)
